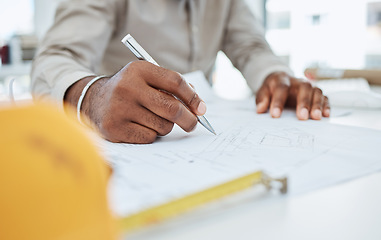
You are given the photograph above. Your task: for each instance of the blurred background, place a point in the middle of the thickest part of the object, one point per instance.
(304, 33)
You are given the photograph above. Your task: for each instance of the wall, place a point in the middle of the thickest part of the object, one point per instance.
(44, 15)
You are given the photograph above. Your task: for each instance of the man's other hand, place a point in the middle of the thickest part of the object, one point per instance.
(137, 104)
(280, 90)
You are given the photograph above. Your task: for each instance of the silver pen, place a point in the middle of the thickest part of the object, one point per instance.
(141, 54)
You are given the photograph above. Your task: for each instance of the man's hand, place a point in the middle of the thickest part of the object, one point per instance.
(280, 90)
(134, 106)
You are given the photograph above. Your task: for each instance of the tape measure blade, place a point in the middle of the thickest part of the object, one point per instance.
(173, 208)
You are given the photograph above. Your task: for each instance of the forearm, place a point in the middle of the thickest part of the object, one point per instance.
(53, 74)
(70, 50)
(247, 48)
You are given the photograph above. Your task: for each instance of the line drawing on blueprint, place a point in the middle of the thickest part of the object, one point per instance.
(242, 139)
(289, 138)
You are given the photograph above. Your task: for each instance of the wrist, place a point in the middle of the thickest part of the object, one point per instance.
(278, 74)
(74, 91)
(89, 88)
(92, 101)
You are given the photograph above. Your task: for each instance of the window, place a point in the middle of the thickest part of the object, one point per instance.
(278, 20)
(20, 23)
(315, 19)
(325, 33)
(374, 13)
(373, 61)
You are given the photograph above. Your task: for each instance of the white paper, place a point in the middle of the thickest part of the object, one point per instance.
(311, 154)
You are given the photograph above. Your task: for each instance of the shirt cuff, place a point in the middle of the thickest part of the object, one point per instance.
(61, 86)
(256, 83)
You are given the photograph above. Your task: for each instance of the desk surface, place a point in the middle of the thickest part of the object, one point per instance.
(350, 210)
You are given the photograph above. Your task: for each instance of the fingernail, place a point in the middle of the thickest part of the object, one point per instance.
(201, 109)
(261, 105)
(303, 114)
(317, 114)
(327, 112)
(275, 113)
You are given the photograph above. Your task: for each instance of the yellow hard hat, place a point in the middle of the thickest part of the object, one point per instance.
(52, 180)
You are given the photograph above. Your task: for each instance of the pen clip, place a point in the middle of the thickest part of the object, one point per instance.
(137, 50)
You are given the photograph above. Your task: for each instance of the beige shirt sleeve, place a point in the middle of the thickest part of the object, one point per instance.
(182, 35)
(73, 48)
(247, 48)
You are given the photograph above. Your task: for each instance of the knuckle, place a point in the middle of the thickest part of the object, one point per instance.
(159, 73)
(176, 80)
(263, 92)
(166, 129)
(317, 104)
(131, 66)
(127, 133)
(318, 91)
(306, 85)
(173, 109)
(121, 91)
(282, 86)
(304, 100)
(127, 87)
(326, 102)
(140, 136)
(191, 126)
(195, 100)
(139, 63)
(277, 103)
(149, 137)
(162, 126)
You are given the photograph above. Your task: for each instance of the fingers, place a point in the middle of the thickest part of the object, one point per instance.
(130, 132)
(152, 121)
(273, 94)
(134, 124)
(278, 100)
(140, 127)
(169, 108)
(311, 103)
(326, 107)
(127, 132)
(317, 104)
(263, 99)
(143, 101)
(279, 90)
(174, 83)
(303, 101)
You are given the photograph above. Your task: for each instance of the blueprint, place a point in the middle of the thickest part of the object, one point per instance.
(312, 154)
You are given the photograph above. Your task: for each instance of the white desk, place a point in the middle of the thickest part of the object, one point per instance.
(351, 210)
